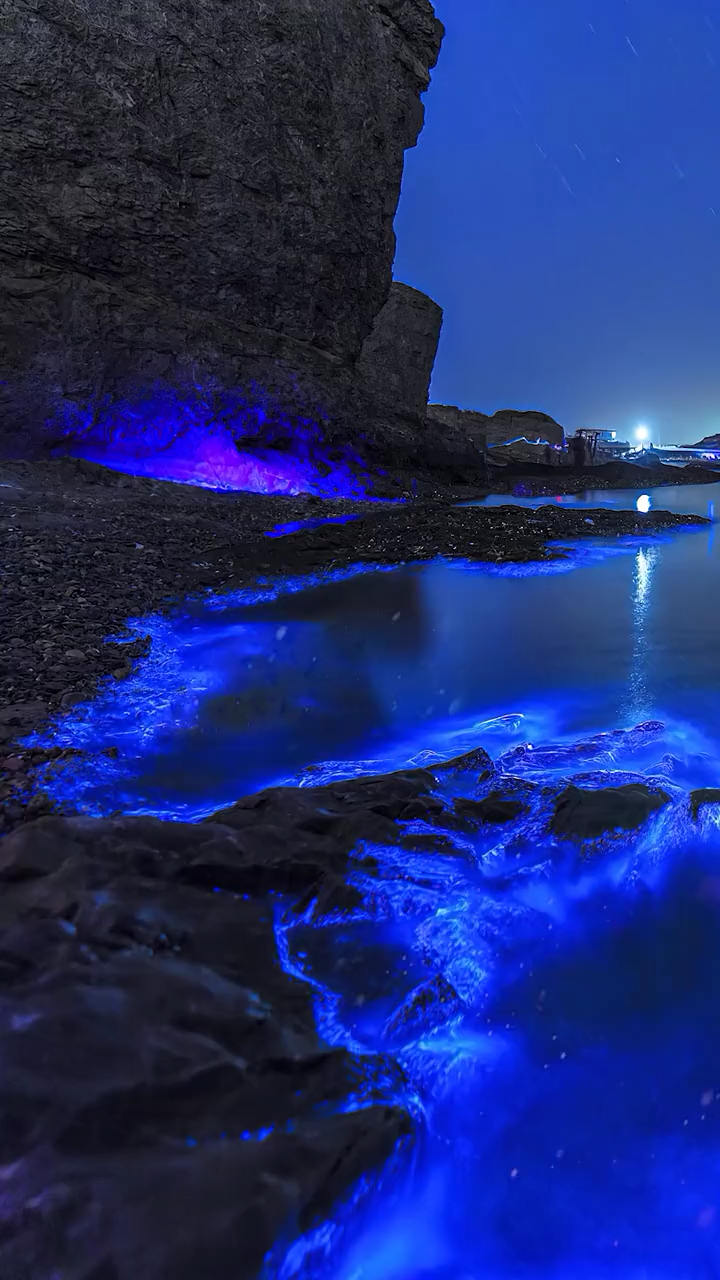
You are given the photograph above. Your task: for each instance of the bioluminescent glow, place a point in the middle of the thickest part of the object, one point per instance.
(536, 443)
(213, 440)
(268, 693)
(569, 1092)
(297, 526)
(550, 996)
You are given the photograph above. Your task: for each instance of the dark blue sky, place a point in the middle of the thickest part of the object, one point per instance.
(563, 206)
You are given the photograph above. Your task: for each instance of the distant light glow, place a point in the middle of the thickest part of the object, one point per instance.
(642, 433)
(644, 504)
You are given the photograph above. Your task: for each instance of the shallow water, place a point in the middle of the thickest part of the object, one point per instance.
(377, 666)
(568, 1096)
(685, 499)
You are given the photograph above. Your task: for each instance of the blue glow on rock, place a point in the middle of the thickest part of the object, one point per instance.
(570, 1102)
(215, 441)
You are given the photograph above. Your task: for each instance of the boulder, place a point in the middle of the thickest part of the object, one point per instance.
(205, 233)
(582, 814)
(703, 797)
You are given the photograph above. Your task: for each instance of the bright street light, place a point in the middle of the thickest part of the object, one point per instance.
(641, 433)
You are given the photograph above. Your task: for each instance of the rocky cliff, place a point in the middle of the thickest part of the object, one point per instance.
(198, 195)
(396, 362)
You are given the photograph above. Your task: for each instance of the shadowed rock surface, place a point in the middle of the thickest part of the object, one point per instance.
(507, 427)
(156, 1056)
(396, 362)
(584, 815)
(702, 798)
(167, 1107)
(212, 202)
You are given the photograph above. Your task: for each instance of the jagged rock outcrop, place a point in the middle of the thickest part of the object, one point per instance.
(508, 429)
(198, 195)
(582, 814)
(397, 359)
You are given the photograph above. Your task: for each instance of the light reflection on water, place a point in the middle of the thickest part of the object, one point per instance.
(684, 499)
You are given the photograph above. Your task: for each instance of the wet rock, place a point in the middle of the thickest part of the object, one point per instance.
(156, 1054)
(581, 814)
(477, 762)
(494, 808)
(427, 1007)
(701, 798)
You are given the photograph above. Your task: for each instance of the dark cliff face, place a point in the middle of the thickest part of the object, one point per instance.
(397, 359)
(200, 191)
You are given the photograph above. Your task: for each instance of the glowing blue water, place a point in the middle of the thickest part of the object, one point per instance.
(566, 1089)
(296, 526)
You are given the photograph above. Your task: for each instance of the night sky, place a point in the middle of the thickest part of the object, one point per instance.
(563, 206)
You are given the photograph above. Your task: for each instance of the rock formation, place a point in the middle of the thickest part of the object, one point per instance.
(506, 427)
(512, 434)
(200, 197)
(396, 362)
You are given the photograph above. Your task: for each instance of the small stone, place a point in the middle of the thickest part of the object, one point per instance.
(70, 698)
(13, 764)
(75, 655)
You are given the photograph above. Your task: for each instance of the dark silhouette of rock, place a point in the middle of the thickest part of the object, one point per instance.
(504, 428)
(396, 362)
(201, 197)
(510, 425)
(701, 798)
(495, 808)
(156, 1055)
(587, 814)
(429, 1006)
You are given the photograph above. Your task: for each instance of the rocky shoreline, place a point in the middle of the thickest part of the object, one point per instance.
(88, 548)
(142, 961)
(157, 1052)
